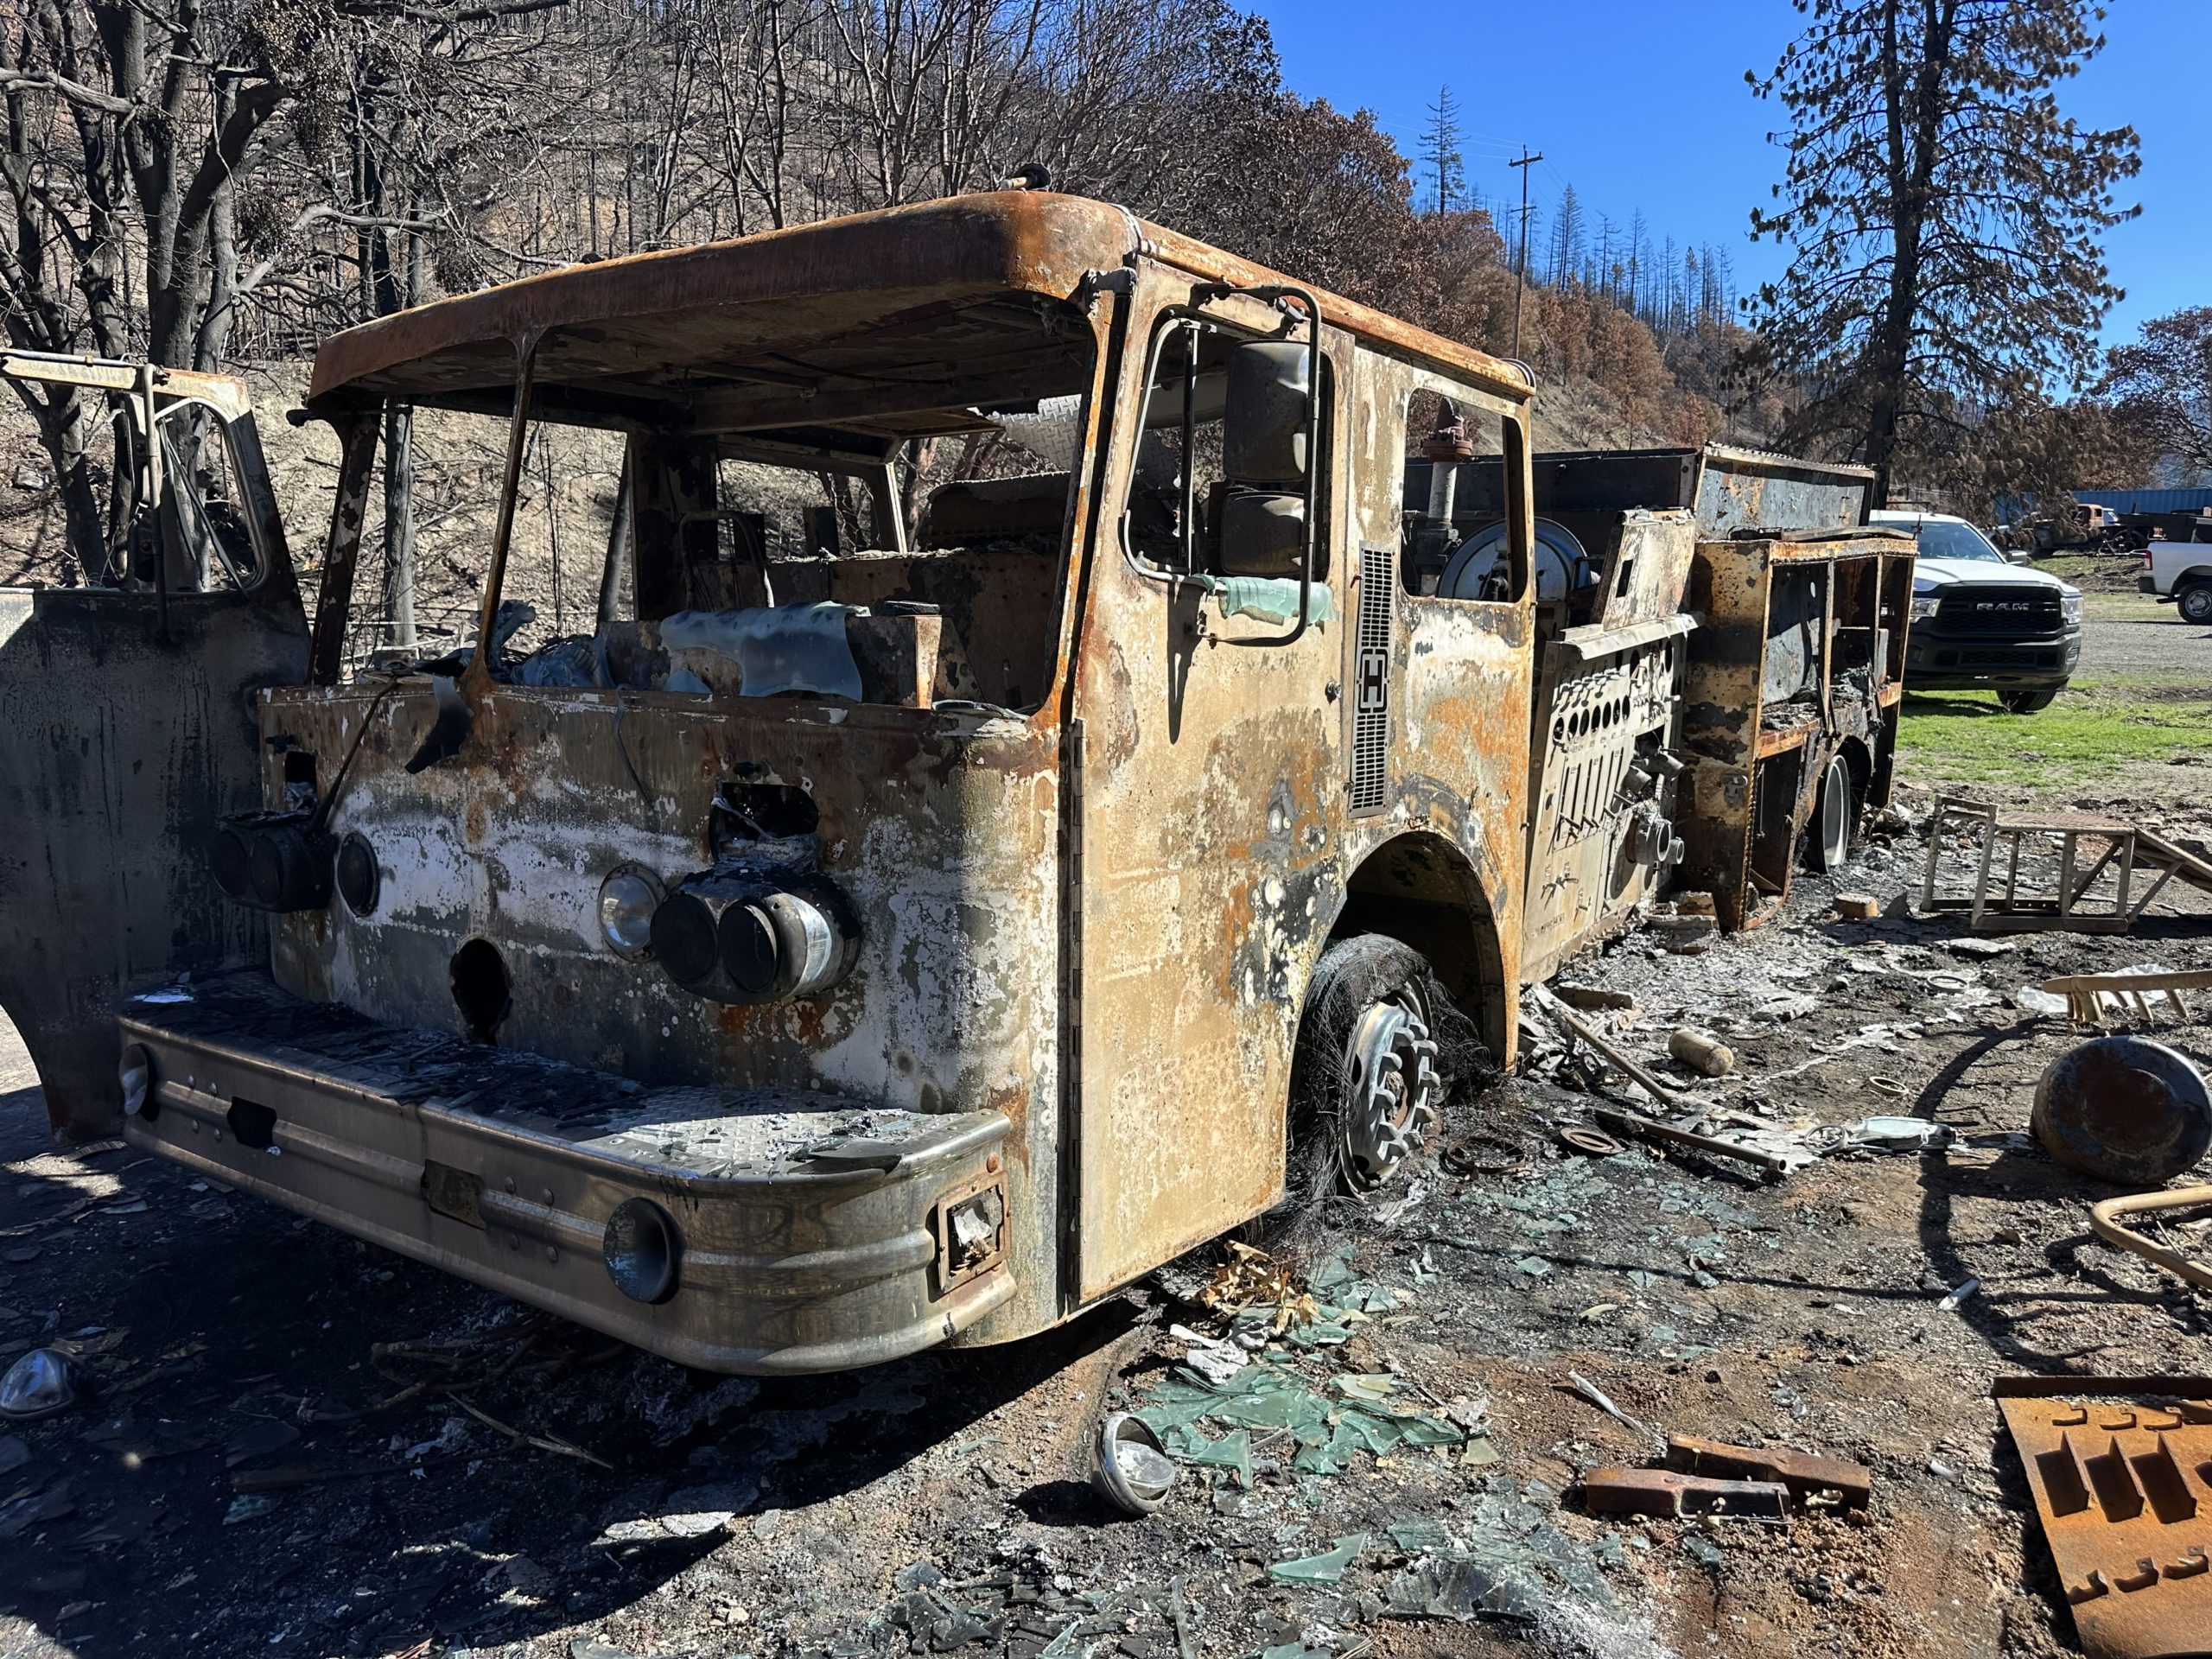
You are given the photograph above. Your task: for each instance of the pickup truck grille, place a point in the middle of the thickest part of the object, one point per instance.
(1992, 609)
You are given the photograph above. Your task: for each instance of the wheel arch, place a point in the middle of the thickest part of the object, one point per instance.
(1425, 891)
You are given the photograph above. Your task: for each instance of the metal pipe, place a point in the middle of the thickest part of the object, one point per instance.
(2104, 1221)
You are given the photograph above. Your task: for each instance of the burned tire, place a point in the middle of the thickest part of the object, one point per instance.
(2027, 703)
(2194, 603)
(1366, 1091)
(1835, 816)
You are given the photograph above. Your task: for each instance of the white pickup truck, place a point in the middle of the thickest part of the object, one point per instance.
(2180, 573)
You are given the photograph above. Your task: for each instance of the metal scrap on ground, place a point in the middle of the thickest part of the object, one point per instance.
(2120, 1469)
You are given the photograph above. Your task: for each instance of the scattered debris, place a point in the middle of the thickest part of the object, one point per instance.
(1577, 1137)
(1615, 1490)
(1217, 1361)
(1592, 999)
(1701, 1052)
(42, 1382)
(1598, 1397)
(2113, 1487)
(2104, 1221)
(1858, 906)
(1132, 1467)
(2076, 900)
(1327, 1568)
(1806, 1475)
(2091, 997)
(1958, 1294)
(1650, 1128)
(2123, 1110)
(1582, 1029)
(1889, 1134)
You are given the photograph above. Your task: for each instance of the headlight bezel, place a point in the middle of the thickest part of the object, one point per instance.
(1924, 606)
(2069, 609)
(629, 946)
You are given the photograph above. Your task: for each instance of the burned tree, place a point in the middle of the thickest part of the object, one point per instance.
(1943, 214)
(2162, 382)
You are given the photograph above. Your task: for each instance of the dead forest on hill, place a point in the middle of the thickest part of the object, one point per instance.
(223, 183)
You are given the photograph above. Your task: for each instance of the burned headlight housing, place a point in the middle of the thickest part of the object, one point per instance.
(755, 937)
(627, 900)
(273, 860)
(135, 1072)
(359, 880)
(642, 1249)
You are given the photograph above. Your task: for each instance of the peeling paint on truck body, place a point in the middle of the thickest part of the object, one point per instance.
(1084, 916)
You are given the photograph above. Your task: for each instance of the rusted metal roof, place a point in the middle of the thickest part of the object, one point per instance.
(687, 317)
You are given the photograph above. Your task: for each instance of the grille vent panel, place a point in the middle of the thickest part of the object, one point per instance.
(1371, 716)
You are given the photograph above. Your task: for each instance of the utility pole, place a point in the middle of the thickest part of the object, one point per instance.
(1521, 264)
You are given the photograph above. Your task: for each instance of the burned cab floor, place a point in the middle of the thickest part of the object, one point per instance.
(300, 1443)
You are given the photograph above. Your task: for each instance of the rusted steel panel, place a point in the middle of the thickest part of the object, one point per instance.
(2123, 1491)
(743, 298)
(341, 553)
(1755, 489)
(937, 827)
(1729, 489)
(1805, 1474)
(1796, 660)
(1218, 847)
(798, 1243)
(124, 739)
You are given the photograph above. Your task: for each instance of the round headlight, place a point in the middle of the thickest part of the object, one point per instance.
(358, 876)
(136, 1074)
(641, 1248)
(627, 900)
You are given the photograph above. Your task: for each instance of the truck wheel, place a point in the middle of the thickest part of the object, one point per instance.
(2194, 602)
(1835, 815)
(1365, 1090)
(2027, 703)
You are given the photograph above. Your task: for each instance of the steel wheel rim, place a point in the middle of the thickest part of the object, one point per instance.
(1391, 1090)
(1836, 828)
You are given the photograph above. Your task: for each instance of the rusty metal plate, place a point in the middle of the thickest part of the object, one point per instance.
(1614, 1490)
(2125, 1494)
(1803, 1473)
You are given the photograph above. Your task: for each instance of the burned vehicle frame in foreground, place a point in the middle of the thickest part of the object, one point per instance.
(958, 887)
(878, 945)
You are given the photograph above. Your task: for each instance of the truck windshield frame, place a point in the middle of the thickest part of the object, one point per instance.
(887, 459)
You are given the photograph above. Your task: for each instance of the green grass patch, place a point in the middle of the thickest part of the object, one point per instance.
(2074, 567)
(2094, 730)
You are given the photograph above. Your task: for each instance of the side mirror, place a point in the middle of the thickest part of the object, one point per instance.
(1268, 407)
(1266, 423)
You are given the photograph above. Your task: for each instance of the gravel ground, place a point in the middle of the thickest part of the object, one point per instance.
(2136, 638)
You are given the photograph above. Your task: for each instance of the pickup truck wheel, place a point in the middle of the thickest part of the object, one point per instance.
(1828, 837)
(2027, 703)
(1365, 1088)
(2194, 602)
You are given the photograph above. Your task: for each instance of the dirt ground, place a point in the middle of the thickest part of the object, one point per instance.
(297, 1443)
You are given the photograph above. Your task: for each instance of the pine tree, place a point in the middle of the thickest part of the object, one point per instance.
(1439, 152)
(1568, 235)
(1944, 217)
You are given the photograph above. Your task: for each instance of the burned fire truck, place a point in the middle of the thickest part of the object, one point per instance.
(910, 935)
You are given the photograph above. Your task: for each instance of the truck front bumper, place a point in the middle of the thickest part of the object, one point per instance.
(1940, 662)
(755, 1230)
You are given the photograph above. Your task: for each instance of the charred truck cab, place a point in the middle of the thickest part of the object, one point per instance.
(1038, 754)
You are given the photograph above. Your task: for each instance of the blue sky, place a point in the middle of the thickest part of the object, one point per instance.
(1640, 104)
